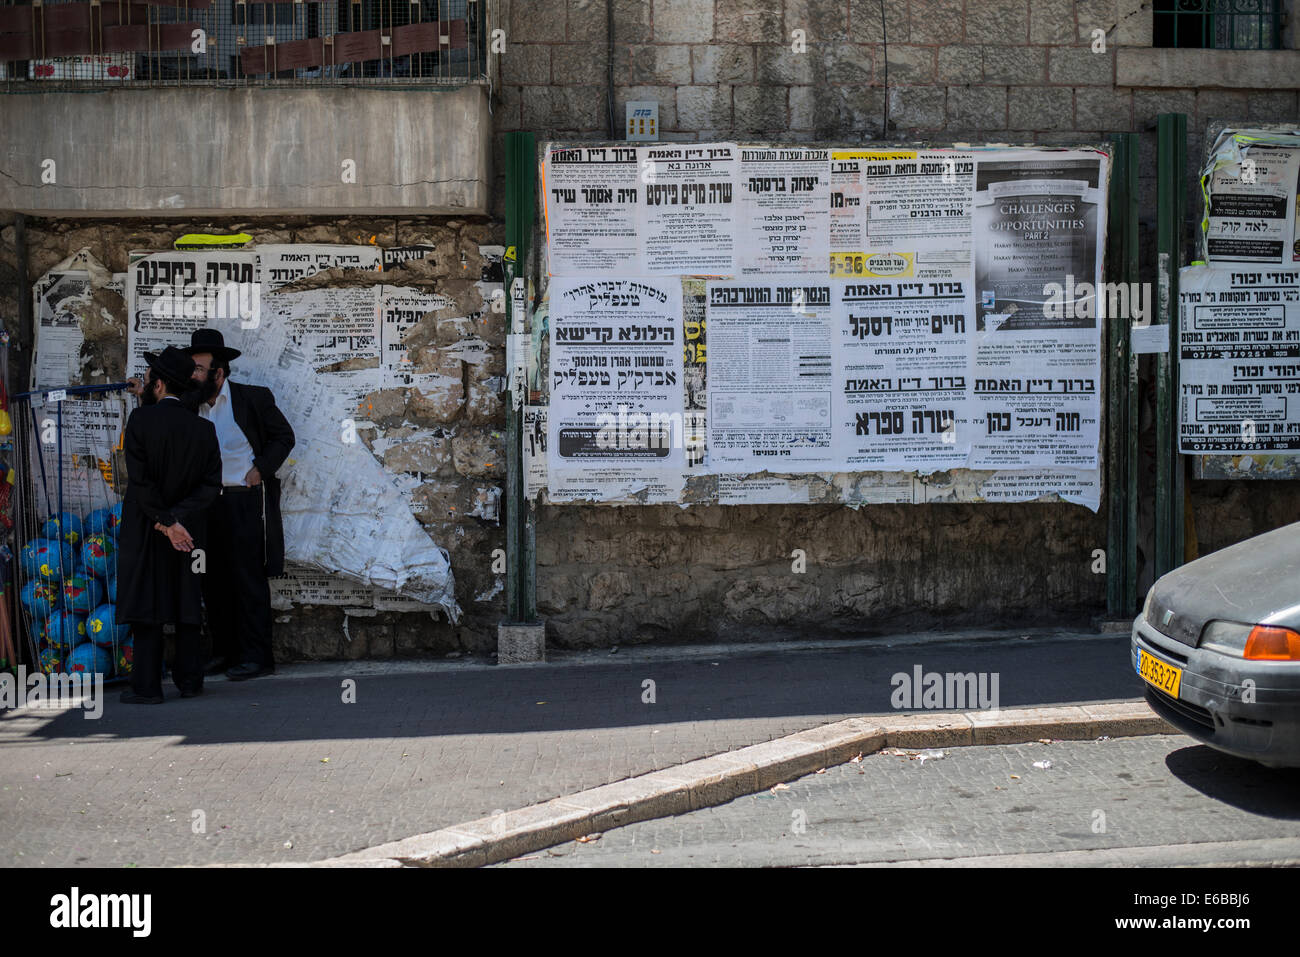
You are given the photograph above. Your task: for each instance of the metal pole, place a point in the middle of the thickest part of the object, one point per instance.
(1121, 408)
(1171, 197)
(521, 556)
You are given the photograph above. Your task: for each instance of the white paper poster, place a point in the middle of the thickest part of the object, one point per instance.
(917, 214)
(58, 328)
(592, 209)
(1239, 359)
(902, 375)
(770, 375)
(1039, 222)
(281, 264)
(1252, 208)
(616, 398)
(689, 211)
(784, 211)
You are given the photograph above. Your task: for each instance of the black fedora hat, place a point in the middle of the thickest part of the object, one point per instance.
(171, 363)
(211, 340)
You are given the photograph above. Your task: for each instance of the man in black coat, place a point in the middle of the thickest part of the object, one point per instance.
(173, 468)
(246, 540)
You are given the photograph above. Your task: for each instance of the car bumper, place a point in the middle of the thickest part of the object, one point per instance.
(1216, 704)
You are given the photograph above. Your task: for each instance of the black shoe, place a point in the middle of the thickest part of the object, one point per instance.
(216, 666)
(249, 669)
(191, 692)
(130, 697)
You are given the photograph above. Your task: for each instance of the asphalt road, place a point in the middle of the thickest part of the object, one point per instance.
(282, 769)
(1161, 800)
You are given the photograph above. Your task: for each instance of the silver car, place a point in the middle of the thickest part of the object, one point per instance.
(1218, 645)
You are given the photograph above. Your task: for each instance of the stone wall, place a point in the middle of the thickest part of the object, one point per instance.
(460, 447)
(1009, 71)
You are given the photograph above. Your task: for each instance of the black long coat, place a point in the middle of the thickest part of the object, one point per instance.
(271, 437)
(173, 471)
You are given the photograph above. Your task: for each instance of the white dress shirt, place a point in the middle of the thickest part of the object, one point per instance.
(236, 453)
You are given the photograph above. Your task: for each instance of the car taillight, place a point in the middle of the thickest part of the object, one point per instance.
(1271, 643)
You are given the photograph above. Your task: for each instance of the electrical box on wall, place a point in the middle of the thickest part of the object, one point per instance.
(643, 120)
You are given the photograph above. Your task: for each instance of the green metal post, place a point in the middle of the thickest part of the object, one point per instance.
(1171, 199)
(521, 555)
(1122, 391)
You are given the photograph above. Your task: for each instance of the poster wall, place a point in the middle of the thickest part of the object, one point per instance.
(847, 315)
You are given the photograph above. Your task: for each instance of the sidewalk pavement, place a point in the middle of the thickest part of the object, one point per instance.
(282, 770)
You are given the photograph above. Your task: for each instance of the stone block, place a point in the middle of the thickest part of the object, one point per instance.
(1149, 104)
(780, 66)
(586, 22)
(821, 20)
(720, 63)
(961, 64)
(559, 109)
(573, 66)
(479, 452)
(1015, 65)
(704, 108)
(519, 642)
(909, 65)
(683, 21)
(632, 21)
(762, 108)
(1108, 110)
(977, 107)
(1052, 22)
(936, 21)
(437, 401)
(849, 63)
(1091, 15)
(656, 65)
(916, 108)
(537, 21)
(526, 63)
(998, 21)
(1272, 106)
(865, 23)
(1079, 66)
(1041, 108)
(748, 21)
(385, 408)
(1134, 26)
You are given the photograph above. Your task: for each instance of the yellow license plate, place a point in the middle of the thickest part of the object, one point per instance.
(1154, 671)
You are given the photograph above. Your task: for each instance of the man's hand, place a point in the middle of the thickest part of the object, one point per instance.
(135, 386)
(254, 477)
(180, 538)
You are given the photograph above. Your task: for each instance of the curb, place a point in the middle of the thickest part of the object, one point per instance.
(723, 777)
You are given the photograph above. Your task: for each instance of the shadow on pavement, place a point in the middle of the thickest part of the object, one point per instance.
(832, 684)
(1242, 784)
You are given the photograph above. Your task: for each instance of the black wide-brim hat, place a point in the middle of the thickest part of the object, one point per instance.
(171, 363)
(211, 340)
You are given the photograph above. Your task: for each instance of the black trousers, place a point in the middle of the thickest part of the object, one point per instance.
(146, 666)
(236, 593)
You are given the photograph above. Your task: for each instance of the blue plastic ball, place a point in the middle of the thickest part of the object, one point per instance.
(103, 627)
(90, 659)
(82, 593)
(66, 629)
(99, 554)
(48, 559)
(51, 661)
(66, 527)
(39, 598)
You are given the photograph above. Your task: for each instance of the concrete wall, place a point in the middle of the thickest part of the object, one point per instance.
(204, 151)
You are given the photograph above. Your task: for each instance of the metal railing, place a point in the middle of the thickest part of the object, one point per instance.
(81, 44)
(1218, 24)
